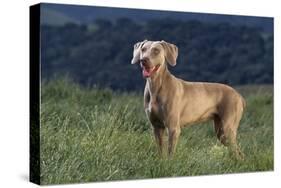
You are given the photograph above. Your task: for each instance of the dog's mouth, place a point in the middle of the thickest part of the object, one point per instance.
(147, 71)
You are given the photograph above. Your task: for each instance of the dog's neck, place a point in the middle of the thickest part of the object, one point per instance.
(157, 81)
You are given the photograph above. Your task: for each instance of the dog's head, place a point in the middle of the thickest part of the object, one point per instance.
(151, 55)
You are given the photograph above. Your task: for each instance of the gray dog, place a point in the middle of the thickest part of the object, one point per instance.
(171, 103)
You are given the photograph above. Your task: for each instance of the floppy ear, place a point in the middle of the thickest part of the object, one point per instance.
(171, 52)
(136, 53)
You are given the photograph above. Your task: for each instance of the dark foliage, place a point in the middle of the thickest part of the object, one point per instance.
(100, 53)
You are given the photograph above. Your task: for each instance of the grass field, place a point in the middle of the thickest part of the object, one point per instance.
(98, 135)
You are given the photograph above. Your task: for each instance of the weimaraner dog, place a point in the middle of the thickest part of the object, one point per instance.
(172, 103)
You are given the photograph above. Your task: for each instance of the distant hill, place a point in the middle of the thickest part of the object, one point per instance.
(101, 55)
(54, 14)
(54, 17)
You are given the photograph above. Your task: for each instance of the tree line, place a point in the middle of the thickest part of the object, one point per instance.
(99, 53)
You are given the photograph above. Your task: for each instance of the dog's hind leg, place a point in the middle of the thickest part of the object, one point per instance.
(231, 138)
(230, 127)
(219, 129)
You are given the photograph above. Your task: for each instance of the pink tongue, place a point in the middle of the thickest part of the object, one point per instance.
(146, 73)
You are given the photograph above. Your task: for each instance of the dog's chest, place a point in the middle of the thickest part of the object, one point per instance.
(154, 110)
(153, 107)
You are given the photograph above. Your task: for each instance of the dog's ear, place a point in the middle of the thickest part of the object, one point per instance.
(171, 52)
(136, 53)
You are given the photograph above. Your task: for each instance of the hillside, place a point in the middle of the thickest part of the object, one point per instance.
(100, 53)
(88, 14)
(55, 18)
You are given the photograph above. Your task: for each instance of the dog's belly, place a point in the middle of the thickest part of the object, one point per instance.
(197, 116)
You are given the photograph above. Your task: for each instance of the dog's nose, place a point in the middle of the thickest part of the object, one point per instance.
(144, 61)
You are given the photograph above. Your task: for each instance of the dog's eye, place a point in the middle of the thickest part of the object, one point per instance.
(156, 50)
(143, 49)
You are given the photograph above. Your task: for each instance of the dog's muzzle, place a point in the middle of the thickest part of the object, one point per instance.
(147, 70)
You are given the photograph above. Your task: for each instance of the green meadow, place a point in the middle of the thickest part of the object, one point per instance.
(94, 134)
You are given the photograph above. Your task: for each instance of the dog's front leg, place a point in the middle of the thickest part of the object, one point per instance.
(173, 134)
(159, 134)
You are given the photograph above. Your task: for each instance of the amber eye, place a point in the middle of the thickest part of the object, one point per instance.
(156, 50)
(143, 49)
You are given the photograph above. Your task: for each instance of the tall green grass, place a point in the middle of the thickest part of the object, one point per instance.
(98, 135)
